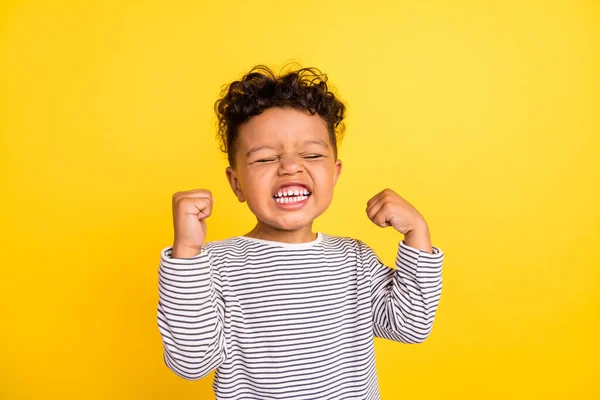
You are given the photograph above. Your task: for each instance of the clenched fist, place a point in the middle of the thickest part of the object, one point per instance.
(190, 209)
(387, 208)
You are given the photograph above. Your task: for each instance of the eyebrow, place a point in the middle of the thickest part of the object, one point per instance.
(255, 149)
(318, 141)
(258, 148)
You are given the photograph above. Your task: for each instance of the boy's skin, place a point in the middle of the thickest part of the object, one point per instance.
(275, 149)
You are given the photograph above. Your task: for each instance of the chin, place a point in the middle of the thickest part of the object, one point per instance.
(288, 224)
(291, 226)
(289, 221)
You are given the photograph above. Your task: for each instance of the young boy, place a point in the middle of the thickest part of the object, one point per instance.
(283, 312)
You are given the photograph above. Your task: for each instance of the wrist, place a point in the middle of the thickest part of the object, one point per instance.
(419, 227)
(182, 251)
(419, 238)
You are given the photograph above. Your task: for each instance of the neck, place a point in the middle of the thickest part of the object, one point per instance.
(266, 232)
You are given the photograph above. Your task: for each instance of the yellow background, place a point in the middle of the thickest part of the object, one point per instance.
(483, 115)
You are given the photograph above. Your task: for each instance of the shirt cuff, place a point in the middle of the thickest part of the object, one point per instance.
(436, 250)
(412, 262)
(165, 256)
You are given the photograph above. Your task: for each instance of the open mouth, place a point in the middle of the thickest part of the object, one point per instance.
(291, 194)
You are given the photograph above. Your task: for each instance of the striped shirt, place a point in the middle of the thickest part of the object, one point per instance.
(292, 321)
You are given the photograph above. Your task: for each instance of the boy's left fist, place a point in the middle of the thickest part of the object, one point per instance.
(387, 208)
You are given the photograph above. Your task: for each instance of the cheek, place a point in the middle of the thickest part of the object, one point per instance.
(258, 184)
(324, 179)
(327, 173)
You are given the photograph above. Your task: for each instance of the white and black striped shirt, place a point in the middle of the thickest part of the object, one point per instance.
(292, 321)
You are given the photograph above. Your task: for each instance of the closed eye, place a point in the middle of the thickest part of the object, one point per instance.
(265, 160)
(313, 156)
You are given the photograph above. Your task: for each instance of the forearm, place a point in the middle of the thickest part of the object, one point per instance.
(416, 290)
(187, 316)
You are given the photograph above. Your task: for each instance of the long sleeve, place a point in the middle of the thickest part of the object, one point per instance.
(190, 314)
(405, 299)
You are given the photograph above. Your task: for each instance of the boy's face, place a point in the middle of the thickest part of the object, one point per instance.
(285, 167)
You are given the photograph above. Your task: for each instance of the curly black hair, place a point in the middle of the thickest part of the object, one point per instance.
(303, 88)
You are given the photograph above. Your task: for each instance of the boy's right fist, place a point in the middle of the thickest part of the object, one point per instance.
(189, 211)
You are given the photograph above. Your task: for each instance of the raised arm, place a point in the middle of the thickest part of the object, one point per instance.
(190, 314)
(404, 300)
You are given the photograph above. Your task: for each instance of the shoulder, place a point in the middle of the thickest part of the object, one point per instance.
(348, 243)
(343, 242)
(234, 247)
(220, 245)
(224, 247)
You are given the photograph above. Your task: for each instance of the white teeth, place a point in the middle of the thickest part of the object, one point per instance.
(293, 199)
(292, 193)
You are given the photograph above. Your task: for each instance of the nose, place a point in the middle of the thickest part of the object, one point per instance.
(290, 164)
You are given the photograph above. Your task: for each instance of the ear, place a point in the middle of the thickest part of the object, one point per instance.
(337, 170)
(235, 184)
